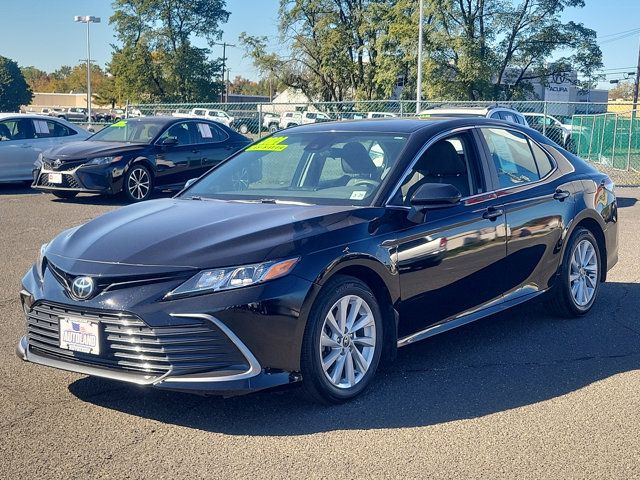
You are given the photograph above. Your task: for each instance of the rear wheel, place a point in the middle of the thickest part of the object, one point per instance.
(138, 183)
(577, 286)
(342, 342)
(64, 194)
(244, 129)
(273, 128)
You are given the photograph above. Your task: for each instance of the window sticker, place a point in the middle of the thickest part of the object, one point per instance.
(271, 144)
(120, 124)
(358, 195)
(205, 130)
(41, 127)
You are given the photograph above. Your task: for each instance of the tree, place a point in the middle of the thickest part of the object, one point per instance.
(157, 60)
(334, 48)
(492, 49)
(622, 91)
(14, 90)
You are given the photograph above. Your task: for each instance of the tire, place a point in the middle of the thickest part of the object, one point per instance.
(348, 373)
(578, 282)
(571, 146)
(273, 128)
(64, 194)
(244, 129)
(138, 183)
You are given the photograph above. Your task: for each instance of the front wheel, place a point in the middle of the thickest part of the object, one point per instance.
(138, 184)
(578, 283)
(244, 129)
(342, 341)
(273, 128)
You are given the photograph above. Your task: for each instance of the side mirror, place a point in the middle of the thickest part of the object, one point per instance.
(169, 141)
(190, 182)
(431, 196)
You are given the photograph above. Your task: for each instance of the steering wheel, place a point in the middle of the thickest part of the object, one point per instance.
(364, 182)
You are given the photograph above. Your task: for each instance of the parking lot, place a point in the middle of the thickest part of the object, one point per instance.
(519, 394)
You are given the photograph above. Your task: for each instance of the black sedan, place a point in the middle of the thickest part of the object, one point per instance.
(134, 156)
(314, 254)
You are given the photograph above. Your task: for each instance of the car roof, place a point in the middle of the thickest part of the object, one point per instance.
(397, 125)
(23, 115)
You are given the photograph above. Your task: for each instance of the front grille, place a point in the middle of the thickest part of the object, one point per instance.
(48, 164)
(128, 343)
(68, 181)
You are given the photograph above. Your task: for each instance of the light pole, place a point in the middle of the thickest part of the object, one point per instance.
(419, 86)
(88, 19)
(224, 64)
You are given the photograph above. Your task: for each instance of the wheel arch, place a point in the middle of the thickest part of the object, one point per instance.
(382, 283)
(596, 228)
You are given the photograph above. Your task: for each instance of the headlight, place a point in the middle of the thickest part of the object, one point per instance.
(40, 263)
(233, 277)
(103, 160)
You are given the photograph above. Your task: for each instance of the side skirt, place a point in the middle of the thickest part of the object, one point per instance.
(468, 318)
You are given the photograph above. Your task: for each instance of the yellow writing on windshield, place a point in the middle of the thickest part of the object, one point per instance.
(271, 144)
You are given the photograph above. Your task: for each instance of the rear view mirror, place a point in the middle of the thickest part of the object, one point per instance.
(431, 196)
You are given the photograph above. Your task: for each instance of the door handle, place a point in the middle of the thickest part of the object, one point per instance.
(492, 213)
(561, 194)
(195, 150)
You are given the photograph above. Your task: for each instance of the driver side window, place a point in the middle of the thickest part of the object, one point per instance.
(451, 160)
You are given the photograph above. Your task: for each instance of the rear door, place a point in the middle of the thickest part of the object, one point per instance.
(453, 262)
(538, 205)
(17, 152)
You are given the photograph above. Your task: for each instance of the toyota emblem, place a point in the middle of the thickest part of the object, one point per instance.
(82, 287)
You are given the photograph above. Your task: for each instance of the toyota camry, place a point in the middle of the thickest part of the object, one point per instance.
(312, 255)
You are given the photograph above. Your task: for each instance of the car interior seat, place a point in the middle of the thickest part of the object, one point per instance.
(441, 164)
(5, 134)
(357, 163)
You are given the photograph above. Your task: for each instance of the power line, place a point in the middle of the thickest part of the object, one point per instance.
(631, 33)
(619, 33)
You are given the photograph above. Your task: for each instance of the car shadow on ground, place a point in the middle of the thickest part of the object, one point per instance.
(17, 189)
(624, 202)
(506, 361)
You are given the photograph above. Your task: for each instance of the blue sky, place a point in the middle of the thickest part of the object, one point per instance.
(42, 32)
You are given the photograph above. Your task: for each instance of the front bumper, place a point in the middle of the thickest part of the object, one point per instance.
(83, 178)
(260, 327)
(216, 385)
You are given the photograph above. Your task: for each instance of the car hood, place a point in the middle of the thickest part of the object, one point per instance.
(174, 234)
(88, 149)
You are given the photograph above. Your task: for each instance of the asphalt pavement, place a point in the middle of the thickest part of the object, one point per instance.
(517, 395)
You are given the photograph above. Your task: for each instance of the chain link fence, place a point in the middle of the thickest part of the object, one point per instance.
(606, 134)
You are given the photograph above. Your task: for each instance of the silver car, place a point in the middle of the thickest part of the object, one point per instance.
(23, 137)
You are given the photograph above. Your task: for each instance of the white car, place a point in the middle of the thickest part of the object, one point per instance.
(23, 137)
(495, 112)
(290, 119)
(215, 115)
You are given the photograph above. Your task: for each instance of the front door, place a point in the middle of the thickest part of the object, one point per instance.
(453, 261)
(175, 163)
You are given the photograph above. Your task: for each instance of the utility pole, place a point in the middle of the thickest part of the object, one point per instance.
(224, 65)
(226, 87)
(419, 86)
(637, 83)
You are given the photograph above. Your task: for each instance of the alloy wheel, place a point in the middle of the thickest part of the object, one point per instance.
(583, 273)
(347, 341)
(139, 183)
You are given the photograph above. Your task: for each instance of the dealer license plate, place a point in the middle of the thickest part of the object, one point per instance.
(79, 335)
(55, 178)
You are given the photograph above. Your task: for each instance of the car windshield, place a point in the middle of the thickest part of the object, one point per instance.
(330, 168)
(130, 131)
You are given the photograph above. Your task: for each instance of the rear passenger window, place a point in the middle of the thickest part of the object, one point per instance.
(515, 158)
(208, 133)
(542, 160)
